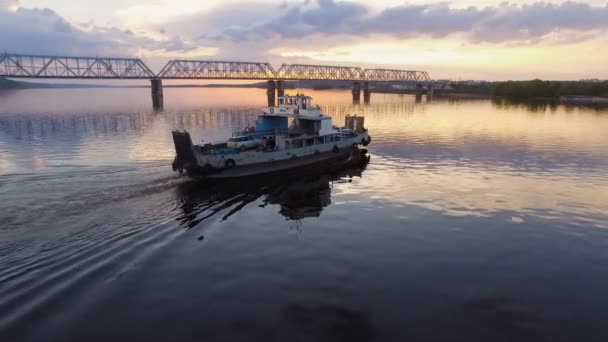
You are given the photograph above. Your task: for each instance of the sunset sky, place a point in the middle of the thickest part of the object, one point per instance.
(484, 39)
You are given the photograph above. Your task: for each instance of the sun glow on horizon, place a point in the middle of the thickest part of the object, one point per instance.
(430, 54)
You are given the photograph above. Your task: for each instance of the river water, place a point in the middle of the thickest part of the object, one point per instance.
(474, 221)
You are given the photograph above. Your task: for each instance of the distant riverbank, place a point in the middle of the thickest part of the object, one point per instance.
(6, 84)
(316, 85)
(566, 91)
(550, 89)
(538, 89)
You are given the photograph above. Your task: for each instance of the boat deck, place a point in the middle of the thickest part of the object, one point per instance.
(283, 165)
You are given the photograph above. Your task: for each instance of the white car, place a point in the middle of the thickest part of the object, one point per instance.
(243, 142)
(346, 132)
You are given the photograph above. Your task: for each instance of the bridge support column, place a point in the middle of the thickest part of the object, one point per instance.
(356, 92)
(430, 91)
(367, 94)
(270, 93)
(157, 93)
(418, 93)
(280, 88)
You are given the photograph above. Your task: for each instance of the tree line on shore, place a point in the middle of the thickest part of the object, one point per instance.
(537, 89)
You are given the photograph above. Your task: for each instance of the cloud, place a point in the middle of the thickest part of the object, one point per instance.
(43, 31)
(6, 5)
(299, 20)
(327, 31)
(498, 24)
(211, 24)
(235, 28)
(39, 31)
(529, 22)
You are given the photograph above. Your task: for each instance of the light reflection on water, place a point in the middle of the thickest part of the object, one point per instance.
(93, 217)
(461, 157)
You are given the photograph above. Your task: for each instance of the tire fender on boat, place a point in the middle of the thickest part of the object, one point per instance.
(336, 149)
(229, 164)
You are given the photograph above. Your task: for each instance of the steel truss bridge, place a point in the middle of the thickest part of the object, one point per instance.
(73, 67)
(37, 66)
(65, 67)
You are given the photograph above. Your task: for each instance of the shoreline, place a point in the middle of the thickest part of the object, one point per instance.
(469, 92)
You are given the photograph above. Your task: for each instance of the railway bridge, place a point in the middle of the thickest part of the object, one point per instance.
(103, 68)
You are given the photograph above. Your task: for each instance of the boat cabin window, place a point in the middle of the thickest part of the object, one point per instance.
(301, 102)
(297, 143)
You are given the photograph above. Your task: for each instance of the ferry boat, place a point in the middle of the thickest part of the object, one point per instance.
(295, 134)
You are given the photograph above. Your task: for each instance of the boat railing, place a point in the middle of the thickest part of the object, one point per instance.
(300, 136)
(304, 139)
(277, 131)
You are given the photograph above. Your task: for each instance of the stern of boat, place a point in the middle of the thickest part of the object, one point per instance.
(184, 152)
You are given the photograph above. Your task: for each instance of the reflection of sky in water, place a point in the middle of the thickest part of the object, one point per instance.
(477, 158)
(470, 214)
(461, 157)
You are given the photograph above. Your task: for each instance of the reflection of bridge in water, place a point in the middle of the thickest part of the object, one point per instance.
(205, 121)
(63, 67)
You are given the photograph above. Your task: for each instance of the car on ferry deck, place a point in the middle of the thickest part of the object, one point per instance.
(243, 142)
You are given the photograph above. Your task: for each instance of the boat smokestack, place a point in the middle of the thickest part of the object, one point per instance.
(356, 123)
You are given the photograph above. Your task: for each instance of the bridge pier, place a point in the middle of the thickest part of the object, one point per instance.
(280, 88)
(270, 93)
(367, 94)
(157, 93)
(419, 91)
(430, 91)
(356, 92)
